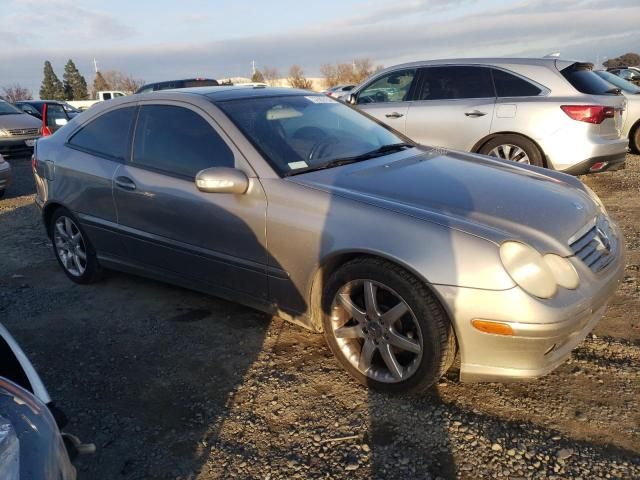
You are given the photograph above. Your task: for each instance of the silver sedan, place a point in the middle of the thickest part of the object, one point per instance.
(300, 206)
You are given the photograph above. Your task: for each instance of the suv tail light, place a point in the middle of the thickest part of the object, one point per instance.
(588, 113)
(44, 131)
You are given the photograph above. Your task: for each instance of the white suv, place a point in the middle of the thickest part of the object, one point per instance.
(545, 112)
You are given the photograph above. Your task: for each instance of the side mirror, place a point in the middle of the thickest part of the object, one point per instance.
(222, 180)
(351, 98)
(60, 122)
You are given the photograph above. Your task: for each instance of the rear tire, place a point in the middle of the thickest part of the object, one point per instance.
(72, 248)
(515, 148)
(404, 343)
(634, 139)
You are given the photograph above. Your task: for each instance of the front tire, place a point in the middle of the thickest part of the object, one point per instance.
(385, 327)
(72, 248)
(514, 148)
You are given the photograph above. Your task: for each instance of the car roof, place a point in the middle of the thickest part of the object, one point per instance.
(545, 61)
(233, 92)
(39, 101)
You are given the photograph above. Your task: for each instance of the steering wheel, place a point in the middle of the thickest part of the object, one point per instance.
(319, 148)
(380, 96)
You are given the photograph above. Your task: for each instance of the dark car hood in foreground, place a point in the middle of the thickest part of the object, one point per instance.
(476, 194)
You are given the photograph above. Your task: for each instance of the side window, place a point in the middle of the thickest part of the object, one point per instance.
(508, 85)
(117, 94)
(106, 96)
(393, 87)
(107, 135)
(451, 83)
(147, 89)
(177, 140)
(56, 116)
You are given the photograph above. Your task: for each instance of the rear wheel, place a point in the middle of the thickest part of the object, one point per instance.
(385, 327)
(634, 139)
(514, 148)
(72, 248)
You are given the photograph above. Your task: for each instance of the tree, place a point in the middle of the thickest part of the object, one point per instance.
(257, 77)
(99, 84)
(122, 81)
(51, 88)
(349, 73)
(270, 75)
(297, 79)
(15, 93)
(626, 60)
(75, 86)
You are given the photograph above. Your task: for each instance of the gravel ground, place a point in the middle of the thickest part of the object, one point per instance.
(173, 384)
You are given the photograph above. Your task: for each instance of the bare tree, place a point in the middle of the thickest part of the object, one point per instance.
(355, 72)
(297, 79)
(15, 93)
(330, 74)
(122, 81)
(270, 75)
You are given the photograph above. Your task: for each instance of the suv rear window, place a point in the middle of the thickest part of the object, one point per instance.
(583, 79)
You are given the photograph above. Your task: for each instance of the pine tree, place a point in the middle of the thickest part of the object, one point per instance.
(51, 88)
(99, 84)
(75, 86)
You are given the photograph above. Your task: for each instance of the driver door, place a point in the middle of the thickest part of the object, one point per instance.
(387, 98)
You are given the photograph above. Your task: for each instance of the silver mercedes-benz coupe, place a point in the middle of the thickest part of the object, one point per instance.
(298, 205)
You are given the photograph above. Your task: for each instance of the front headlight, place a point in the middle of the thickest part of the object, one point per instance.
(537, 274)
(4, 133)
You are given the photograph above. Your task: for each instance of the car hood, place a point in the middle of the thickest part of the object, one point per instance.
(19, 120)
(482, 196)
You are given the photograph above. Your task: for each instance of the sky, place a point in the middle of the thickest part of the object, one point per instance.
(162, 40)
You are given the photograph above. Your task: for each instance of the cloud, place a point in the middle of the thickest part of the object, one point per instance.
(533, 27)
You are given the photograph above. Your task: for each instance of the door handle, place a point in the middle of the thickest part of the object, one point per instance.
(475, 113)
(125, 183)
(394, 115)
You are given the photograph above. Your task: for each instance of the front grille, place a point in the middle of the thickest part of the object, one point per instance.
(23, 132)
(597, 246)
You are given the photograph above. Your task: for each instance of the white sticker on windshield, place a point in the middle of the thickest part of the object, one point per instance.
(296, 165)
(320, 99)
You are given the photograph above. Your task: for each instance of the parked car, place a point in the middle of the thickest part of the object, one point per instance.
(31, 444)
(71, 110)
(101, 97)
(52, 113)
(172, 84)
(339, 91)
(631, 124)
(5, 175)
(299, 205)
(18, 131)
(630, 74)
(543, 112)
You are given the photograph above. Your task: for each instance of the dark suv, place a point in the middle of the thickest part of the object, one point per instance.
(170, 84)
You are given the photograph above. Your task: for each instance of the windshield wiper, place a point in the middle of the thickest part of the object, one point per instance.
(378, 152)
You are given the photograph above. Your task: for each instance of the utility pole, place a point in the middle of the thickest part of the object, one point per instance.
(95, 65)
(253, 67)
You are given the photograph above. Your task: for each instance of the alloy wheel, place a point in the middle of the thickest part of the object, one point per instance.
(376, 331)
(70, 246)
(510, 152)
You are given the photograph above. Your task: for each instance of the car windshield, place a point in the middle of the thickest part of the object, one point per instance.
(8, 109)
(621, 83)
(298, 133)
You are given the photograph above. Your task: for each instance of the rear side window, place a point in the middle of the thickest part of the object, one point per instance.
(178, 141)
(508, 85)
(107, 135)
(583, 79)
(451, 83)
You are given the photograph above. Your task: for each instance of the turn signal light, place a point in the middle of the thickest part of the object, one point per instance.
(589, 113)
(489, 326)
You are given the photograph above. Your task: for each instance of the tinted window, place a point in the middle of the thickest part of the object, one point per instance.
(106, 96)
(108, 134)
(585, 80)
(392, 87)
(508, 85)
(200, 83)
(31, 109)
(295, 132)
(178, 141)
(449, 83)
(56, 113)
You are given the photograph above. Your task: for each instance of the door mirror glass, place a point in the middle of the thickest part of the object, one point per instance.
(60, 122)
(222, 180)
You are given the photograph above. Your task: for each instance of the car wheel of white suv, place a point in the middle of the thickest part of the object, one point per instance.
(514, 148)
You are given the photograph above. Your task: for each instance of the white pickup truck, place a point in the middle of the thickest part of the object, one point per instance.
(102, 96)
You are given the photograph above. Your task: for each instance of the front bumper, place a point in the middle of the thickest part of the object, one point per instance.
(5, 175)
(17, 146)
(598, 164)
(545, 331)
